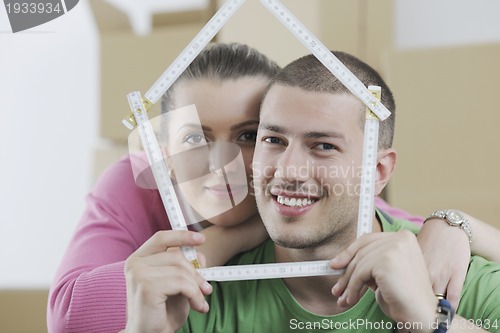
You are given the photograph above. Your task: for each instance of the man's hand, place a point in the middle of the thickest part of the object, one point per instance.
(162, 285)
(392, 265)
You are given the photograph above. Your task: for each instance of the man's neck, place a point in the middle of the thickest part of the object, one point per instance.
(314, 293)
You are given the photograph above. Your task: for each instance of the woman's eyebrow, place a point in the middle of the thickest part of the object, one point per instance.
(244, 124)
(195, 126)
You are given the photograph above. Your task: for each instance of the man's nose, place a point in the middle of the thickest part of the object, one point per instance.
(293, 164)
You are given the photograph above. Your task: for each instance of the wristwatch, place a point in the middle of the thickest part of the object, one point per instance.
(454, 218)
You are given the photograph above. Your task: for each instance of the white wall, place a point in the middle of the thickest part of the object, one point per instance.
(48, 126)
(439, 23)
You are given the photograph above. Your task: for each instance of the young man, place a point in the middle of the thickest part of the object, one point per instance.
(306, 169)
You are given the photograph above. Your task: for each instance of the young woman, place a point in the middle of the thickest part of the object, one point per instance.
(226, 83)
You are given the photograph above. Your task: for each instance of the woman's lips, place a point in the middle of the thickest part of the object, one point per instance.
(224, 191)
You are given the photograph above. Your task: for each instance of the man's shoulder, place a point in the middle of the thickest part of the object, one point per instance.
(480, 297)
(488, 272)
(481, 274)
(393, 224)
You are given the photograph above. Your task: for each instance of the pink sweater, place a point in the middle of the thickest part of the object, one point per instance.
(88, 293)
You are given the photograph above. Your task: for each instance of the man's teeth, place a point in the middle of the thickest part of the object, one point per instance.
(294, 202)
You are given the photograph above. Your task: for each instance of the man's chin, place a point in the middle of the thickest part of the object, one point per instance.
(290, 243)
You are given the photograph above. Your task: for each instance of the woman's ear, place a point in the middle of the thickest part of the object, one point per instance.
(386, 161)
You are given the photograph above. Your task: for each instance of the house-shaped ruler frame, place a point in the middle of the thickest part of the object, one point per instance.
(140, 105)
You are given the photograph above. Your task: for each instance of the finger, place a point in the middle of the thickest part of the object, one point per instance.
(153, 285)
(339, 289)
(162, 240)
(202, 259)
(361, 270)
(361, 277)
(439, 282)
(192, 287)
(164, 258)
(346, 259)
(196, 300)
(454, 290)
(343, 259)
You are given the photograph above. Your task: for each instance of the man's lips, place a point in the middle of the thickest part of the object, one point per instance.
(295, 206)
(294, 201)
(293, 198)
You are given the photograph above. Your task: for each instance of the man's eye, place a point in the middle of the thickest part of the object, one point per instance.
(272, 140)
(324, 146)
(248, 136)
(195, 139)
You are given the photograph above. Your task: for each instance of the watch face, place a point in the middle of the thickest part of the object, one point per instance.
(454, 217)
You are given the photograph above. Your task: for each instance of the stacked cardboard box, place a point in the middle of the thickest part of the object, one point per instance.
(447, 129)
(130, 62)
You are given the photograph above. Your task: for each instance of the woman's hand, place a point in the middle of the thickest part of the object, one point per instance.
(447, 254)
(163, 285)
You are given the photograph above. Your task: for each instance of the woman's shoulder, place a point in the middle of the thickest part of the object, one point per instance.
(118, 190)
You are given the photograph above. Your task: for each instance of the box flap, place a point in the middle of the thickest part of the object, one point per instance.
(141, 16)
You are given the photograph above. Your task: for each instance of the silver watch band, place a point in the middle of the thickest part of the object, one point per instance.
(464, 225)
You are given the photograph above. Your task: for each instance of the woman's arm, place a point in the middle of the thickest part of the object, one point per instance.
(485, 236)
(88, 293)
(447, 251)
(223, 243)
(485, 239)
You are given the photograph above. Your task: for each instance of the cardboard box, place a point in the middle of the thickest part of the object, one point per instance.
(362, 28)
(129, 62)
(105, 154)
(447, 129)
(23, 311)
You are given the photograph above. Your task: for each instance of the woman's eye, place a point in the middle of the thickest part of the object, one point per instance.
(248, 136)
(195, 139)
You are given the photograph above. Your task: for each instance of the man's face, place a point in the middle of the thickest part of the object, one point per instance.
(307, 166)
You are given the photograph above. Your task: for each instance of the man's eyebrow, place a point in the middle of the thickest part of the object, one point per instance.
(272, 128)
(244, 124)
(329, 134)
(308, 135)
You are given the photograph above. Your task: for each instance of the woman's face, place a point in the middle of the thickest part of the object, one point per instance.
(209, 159)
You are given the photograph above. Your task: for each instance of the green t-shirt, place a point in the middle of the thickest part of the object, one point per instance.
(262, 306)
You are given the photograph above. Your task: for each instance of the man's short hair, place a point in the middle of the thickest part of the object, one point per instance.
(309, 74)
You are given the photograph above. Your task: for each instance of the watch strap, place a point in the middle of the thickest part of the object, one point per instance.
(465, 225)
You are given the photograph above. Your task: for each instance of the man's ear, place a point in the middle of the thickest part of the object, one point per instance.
(386, 161)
